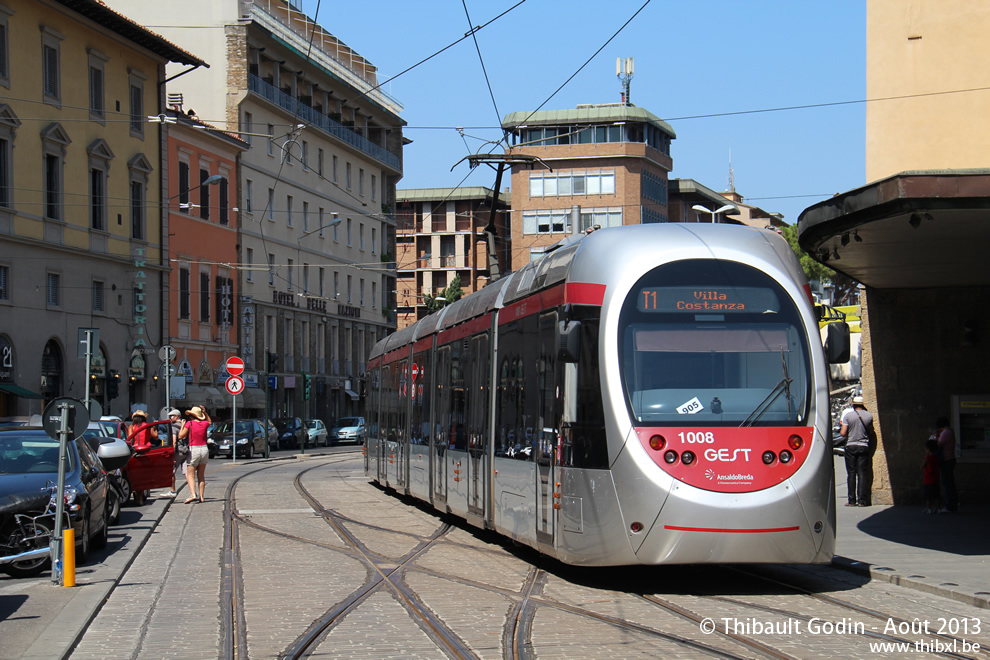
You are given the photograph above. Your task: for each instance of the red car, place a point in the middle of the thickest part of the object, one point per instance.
(150, 468)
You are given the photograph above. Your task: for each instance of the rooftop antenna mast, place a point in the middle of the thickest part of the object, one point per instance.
(624, 71)
(732, 176)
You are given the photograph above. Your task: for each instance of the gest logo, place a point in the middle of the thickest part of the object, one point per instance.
(727, 455)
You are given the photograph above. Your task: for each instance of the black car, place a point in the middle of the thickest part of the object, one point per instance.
(250, 435)
(291, 432)
(28, 464)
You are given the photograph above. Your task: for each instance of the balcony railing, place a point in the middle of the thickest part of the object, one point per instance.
(321, 121)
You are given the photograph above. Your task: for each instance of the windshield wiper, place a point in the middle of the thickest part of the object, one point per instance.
(783, 386)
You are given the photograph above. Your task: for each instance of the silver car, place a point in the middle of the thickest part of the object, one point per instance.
(348, 429)
(317, 430)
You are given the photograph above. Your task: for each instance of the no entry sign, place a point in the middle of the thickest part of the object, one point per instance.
(235, 366)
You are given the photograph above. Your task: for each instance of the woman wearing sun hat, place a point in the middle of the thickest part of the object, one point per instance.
(195, 430)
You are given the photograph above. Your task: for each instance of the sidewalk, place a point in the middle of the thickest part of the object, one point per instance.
(944, 554)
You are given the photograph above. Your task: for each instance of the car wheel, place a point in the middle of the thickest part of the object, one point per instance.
(82, 553)
(125, 488)
(30, 536)
(113, 507)
(250, 450)
(103, 536)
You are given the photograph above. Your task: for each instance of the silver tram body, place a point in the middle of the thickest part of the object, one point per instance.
(642, 395)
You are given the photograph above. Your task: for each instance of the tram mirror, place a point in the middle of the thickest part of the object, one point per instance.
(568, 341)
(837, 343)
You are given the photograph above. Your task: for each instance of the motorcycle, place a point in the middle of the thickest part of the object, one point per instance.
(25, 538)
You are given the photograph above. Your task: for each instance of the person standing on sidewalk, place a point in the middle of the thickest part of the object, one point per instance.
(195, 431)
(929, 475)
(181, 447)
(947, 466)
(857, 428)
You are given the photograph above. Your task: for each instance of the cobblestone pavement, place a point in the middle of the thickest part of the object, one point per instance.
(298, 577)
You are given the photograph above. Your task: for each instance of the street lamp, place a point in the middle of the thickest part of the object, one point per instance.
(701, 209)
(208, 181)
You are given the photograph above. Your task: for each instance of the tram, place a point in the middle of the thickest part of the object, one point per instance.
(645, 394)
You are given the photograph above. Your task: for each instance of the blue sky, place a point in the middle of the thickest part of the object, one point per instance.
(692, 58)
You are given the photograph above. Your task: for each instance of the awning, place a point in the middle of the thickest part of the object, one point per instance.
(210, 396)
(17, 390)
(252, 397)
(351, 393)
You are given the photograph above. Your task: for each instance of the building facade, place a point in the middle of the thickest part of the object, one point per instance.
(316, 190)
(82, 249)
(201, 207)
(606, 165)
(440, 235)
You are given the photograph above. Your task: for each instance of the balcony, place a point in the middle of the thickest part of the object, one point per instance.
(321, 121)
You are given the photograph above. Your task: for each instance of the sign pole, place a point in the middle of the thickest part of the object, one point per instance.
(89, 359)
(233, 430)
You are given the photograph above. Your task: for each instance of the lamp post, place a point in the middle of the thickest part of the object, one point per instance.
(701, 209)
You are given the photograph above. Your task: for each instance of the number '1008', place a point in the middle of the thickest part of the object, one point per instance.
(699, 438)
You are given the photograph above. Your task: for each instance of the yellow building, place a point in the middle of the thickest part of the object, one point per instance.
(82, 245)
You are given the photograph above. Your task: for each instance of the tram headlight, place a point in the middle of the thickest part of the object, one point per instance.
(795, 442)
(657, 442)
(785, 456)
(670, 457)
(769, 457)
(687, 457)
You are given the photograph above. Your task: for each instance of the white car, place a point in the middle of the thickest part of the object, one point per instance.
(317, 430)
(350, 429)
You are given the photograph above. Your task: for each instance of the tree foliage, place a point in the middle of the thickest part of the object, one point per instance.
(444, 296)
(845, 288)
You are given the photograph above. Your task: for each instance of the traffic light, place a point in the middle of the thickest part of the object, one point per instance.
(113, 385)
(307, 386)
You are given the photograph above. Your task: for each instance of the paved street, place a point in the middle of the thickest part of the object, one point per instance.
(356, 582)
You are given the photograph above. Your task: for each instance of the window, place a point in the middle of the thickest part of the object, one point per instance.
(136, 98)
(319, 162)
(361, 182)
(99, 162)
(4, 286)
(271, 269)
(374, 295)
(305, 216)
(98, 296)
(348, 170)
(336, 284)
(271, 204)
(348, 289)
(361, 237)
(54, 141)
(336, 236)
(247, 129)
(374, 185)
(97, 109)
(305, 278)
(374, 240)
(305, 155)
(271, 138)
(5, 172)
(591, 182)
(204, 194)
(204, 297)
(139, 170)
(184, 186)
(288, 210)
(224, 202)
(51, 41)
(319, 219)
(349, 232)
(249, 195)
(322, 282)
(334, 173)
(184, 293)
(361, 292)
(249, 257)
(288, 272)
(4, 48)
(53, 290)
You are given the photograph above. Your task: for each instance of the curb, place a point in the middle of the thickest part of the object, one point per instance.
(949, 590)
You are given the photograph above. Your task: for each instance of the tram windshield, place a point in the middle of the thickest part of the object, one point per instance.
(713, 343)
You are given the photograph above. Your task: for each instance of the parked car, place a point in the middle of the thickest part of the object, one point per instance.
(28, 463)
(115, 427)
(349, 429)
(272, 434)
(318, 435)
(249, 434)
(291, 432)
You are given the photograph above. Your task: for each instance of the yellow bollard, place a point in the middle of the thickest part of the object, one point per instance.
(69, 557)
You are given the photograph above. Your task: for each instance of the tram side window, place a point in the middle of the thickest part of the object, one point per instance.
(442, 422)
(420, 390)
(458, 432)
(518, 397)
(374, 407)
(584, 442)
(548, 414)
(402, 400)
(476, 368)
(390, 402)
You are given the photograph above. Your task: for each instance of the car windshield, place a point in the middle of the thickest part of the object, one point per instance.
(285, 424)
(22, 454)
(349, 421)
(227, 427)
(311, 424)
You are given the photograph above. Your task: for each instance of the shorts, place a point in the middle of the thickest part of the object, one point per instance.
(198, 455)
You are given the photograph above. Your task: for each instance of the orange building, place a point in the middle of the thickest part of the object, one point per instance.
(202, 246)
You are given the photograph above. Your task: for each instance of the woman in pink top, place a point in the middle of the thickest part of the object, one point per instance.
(195, 429)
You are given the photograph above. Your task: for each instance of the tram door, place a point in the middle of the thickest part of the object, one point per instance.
(476, 422)
(441, 426)
(546, 431)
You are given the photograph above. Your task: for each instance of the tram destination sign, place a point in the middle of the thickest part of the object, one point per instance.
(731, 299)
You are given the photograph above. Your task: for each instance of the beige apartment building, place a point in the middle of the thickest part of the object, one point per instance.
(440, 234)
(604, 165)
